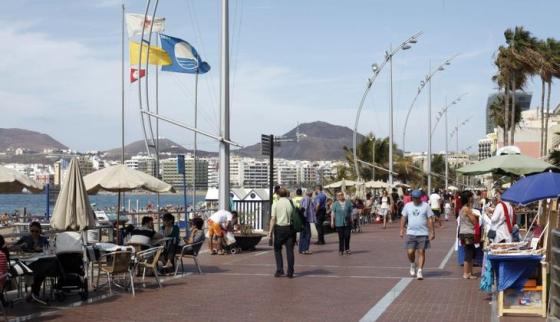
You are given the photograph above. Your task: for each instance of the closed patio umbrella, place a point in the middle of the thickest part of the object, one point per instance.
(12, 181)
(377, 184)
(341, 184)
(72, 210)
(515, 164)
(120, 178)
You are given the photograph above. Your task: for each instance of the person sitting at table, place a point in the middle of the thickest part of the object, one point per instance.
(196, 233)
(169, 230)
(145, 235)
(4, 259)
(34, 242)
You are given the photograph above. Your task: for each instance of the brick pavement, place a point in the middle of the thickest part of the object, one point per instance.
(327, 287)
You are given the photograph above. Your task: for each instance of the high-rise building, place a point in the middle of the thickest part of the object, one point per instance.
(173, 177)
(522, 100)
(142, 163)
(487, 146)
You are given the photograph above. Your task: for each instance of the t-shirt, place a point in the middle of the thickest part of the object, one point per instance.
(434, 201)
(282, 211)
(221, 217)
(417, 217)
(320, 200)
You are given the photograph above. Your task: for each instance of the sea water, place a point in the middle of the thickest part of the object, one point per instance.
(37, 203)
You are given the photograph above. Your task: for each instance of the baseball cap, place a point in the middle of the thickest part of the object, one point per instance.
(416, 194)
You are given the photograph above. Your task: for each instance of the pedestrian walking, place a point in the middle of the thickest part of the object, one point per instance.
(418, 219)
(308, 206)
(321, 212)
(386, 206)
(341, 219)
(467, 222)
(435, 203)
(282, 230)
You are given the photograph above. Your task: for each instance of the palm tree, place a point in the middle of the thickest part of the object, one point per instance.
(549, 67)
(499, 114)
(516, 62)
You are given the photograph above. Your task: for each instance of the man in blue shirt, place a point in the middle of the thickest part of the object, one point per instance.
(417, 216)
(321, 213)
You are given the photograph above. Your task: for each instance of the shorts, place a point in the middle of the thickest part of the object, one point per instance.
(417, 242)
(214, 229)
(436, 212)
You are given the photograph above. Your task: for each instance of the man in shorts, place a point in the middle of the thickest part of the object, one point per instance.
(418, 218)
(435, 203)
(218, 224)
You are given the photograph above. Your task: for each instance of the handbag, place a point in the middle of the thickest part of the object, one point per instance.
(466, 239)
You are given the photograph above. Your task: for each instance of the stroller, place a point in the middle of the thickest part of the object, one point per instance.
(229, 244)
(70, 255)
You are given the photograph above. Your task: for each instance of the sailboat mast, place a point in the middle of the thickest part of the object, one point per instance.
(224, 185)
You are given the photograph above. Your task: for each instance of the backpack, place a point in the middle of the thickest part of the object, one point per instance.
(296, 219)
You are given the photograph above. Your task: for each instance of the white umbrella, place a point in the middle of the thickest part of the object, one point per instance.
(72, 210)
(452, 188)
(121, 178)
(377, 185)
(341, 184)
(12, 181)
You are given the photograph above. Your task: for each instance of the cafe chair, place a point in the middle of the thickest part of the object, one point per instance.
(148, 259)
(115, 264)
(189, 251)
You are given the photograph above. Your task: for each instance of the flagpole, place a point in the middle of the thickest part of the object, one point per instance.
(157, 132)
(224, 109)
(195, 143)
(122, 115)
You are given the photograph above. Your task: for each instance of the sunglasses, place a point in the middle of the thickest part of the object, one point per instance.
(35, 231)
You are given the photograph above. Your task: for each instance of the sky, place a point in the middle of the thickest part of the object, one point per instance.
(291, 62)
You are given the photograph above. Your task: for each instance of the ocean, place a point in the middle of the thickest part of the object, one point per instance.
(37, 203)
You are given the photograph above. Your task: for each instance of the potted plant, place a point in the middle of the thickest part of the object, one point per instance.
(246, 238)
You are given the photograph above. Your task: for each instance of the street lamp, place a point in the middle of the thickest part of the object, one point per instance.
(440, 114)
(423, 84)
(455, 133)
(372, 139)
(428, 81)
(376, 69)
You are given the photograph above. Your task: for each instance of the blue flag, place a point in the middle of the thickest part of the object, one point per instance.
(183, 56)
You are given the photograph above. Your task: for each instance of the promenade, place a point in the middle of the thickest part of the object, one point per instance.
(372, 284)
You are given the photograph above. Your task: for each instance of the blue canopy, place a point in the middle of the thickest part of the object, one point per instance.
(533, 188)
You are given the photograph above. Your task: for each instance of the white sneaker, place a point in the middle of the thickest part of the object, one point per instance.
(419, 275)
(413, 269)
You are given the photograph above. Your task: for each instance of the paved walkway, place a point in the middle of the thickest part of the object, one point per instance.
(371, 284)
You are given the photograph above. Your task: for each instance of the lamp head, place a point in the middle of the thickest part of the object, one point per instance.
(405, 47)
(440, 68)
(413, 40)
(374, 67)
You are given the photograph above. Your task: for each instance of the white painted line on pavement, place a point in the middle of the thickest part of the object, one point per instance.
(377, 310)
(447, 257)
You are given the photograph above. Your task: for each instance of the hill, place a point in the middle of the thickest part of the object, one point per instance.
(165, 146)
(28, 140)
(318, 141)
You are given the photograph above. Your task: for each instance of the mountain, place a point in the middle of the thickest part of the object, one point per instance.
(165, 146)
(28, 140)
(318, 141)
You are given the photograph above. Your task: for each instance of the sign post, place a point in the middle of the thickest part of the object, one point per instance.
(181, 170)
(267, 148)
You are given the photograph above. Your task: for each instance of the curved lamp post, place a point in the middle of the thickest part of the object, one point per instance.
(440, 114)
(455, 133)
(423, 84)
(376, 69)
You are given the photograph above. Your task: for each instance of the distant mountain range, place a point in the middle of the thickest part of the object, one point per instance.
(28, 140)
(165, 146)
(317, 141)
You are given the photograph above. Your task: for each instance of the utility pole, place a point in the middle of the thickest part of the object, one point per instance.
(224, 184)
(390, 120)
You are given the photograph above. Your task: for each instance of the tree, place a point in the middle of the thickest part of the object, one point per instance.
(548, 67)
(522, 60)
(515, 62)
(499, 115)
(554, 157)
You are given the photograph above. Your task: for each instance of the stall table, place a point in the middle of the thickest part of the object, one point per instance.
(512, 272)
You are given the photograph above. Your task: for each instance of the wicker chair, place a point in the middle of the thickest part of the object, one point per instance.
(116, 263)
(148, 259)
(189, 251)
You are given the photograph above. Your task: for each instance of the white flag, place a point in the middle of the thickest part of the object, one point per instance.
(135, 23)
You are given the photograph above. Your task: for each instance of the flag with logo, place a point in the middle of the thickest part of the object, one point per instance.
(158, 56)
(135, 23)
(184, 57)
(135, 75)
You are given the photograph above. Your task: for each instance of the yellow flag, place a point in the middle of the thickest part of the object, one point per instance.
(158, 56)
